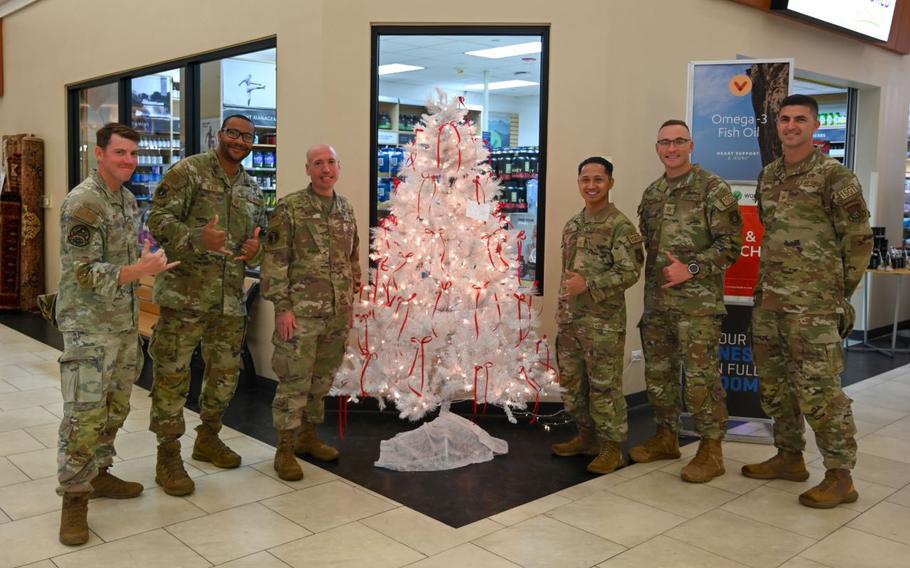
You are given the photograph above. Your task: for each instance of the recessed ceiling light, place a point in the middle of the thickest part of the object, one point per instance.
(391, 68)
(508, 50)
(496, 85)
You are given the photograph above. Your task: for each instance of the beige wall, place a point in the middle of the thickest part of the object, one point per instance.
(617, 69)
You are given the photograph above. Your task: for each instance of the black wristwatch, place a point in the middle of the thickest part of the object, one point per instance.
(694, 269)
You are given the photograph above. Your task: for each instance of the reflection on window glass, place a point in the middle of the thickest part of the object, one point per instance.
(97, 107)
(499, 77)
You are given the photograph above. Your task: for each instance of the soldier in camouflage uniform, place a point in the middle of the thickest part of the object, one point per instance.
(693, 232)
(310, 272)
(98, 313)
(602, 255)
(207, 212)
(816, 246)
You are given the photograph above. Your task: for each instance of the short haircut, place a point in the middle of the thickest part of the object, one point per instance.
(800, 100)
(240, 116)
(103, 136)
(674, 122)
(596, 160)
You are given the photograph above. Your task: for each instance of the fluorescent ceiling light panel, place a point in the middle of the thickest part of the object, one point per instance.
(391, 68)
(507, 50)
(496, 85)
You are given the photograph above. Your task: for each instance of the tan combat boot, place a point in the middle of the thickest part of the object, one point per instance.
(210, 448)
(784, 465)
(584, 444)
(73, 522)
(169, 471)
(707, 464)
(309, 443)
(112, 487)
(609, 459)
(836, 488)
(285, 463)
(663, 445)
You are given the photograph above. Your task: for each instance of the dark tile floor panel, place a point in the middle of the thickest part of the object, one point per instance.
(455, 497)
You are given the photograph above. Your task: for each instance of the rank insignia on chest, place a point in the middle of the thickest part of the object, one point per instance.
(669, 208)
(79, 236)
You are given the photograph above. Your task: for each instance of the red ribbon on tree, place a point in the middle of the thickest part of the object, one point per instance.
(420, 343)
(487, 238)
(406, 258)
(520, 237)
(439, 143)
(521, 300)
(477, 291)
(442, 237)
(381, 266)
(533, 384)
(443, 286)
(342, 414)
(486, 388)
(498, 309)
(478, 190)
(407, 312)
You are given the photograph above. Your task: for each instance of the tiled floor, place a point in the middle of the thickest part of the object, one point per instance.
(640, 516)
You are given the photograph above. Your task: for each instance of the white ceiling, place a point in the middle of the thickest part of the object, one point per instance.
(446, 65)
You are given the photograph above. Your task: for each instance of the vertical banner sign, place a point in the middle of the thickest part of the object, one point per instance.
(732, 113)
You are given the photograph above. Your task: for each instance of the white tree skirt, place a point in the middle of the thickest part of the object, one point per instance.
(448, 442)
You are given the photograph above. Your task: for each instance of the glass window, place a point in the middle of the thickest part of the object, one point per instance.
(500, 74)
(97, 106)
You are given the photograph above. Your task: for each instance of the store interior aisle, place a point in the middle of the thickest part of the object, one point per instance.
(642, 515)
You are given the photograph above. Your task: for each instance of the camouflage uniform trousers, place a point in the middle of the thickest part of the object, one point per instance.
(670, 339)
(590, 370)
(799, 360)
(97, 372)
(176, 336)
(306, 367)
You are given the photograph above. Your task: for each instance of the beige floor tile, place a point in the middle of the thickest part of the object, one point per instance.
(130, 445)
(17, 442)
(464, 555)
(424, 534)
(782, 510)
(42, 366)
(4, 518)
(326, 506)
(38, 463)
(140, 399)
(258, 560)
(901, 497)
(12, 371)
(596, 485)
(876, 414)
(639, 469)
(639, 522)
(744, 540)
(7, 387)
(524, 512)
(113, 519)
(35, 381)
(47, 434)
(542, 542)
(223, 490)
(732, 481)
(887, 447)
(30, 498)
(672, 494)
(850, 548)
(142, 470)
(10, 474)
(10, 358)
(665, 551)
(312, 474)
(149, 550)
(878, 470)
(869, 493)
(25, 399)
(352, 545)
(800, 562)
(26, 417)
(40, 533)
(863, 429)
(137, 421)
(55, 409)
(237, 532)
(42, 564)
(745, 452)
(899, 429)
(888, 520)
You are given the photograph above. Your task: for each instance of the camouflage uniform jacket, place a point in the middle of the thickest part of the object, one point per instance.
(99, 232)
(190, 195)
(817, 237)
(606, 250)
(311, 264)
(695, 218)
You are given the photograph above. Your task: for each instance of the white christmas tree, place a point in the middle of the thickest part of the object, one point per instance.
(444, 316)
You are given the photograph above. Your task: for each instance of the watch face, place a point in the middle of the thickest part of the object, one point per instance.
(693, 268)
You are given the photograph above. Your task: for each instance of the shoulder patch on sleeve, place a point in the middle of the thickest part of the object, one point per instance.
(79, 236)
(726, 201)
(846, 194)
(86, 214)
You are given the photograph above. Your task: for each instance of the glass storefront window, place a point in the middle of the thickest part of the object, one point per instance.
(97, 106)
